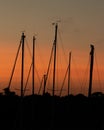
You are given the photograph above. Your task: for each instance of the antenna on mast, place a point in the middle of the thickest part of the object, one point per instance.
(58, 21)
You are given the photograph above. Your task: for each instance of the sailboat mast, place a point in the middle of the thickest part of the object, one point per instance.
(22, 67)
(91, 69)
(54, 69)
(69, 73)
(33, 60)
(44, 89)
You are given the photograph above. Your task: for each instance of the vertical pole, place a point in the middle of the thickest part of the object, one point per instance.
(22, 67)
(33, 60)
(91, 69)
(44, 90)
(54, 69)
(69, 73)
(33, 81)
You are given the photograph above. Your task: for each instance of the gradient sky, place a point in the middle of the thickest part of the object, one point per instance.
(82, 24)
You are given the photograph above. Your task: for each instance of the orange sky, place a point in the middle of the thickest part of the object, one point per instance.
(82, 24)
(79, 69)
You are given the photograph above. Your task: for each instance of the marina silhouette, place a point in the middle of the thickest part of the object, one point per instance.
(48, 110)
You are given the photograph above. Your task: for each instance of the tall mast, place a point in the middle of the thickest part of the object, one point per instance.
(91, 69)
(33, 60)
(22, 67)
(69, 73)
(54, 69)
(44, 89)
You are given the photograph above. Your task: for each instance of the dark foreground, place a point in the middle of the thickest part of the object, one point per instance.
(51, 113)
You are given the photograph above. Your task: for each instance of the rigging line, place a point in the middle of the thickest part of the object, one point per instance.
(76, 70)
(27, 78)
(50, 77)
(40, 57)
(40, 85)
(63, 81)
(98, 72)
(59, 61)
(29, 50)
(49, 83)
(84, 82)
(37, 75)
(40, 81)
(48, 70)
(87, 73)
(41, 63)
(31, 57)
(15, 64)
(62, 46)
(49, 63)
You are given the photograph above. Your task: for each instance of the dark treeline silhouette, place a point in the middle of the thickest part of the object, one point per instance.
(45, 111)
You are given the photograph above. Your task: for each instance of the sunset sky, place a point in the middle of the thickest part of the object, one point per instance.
(81, 24)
